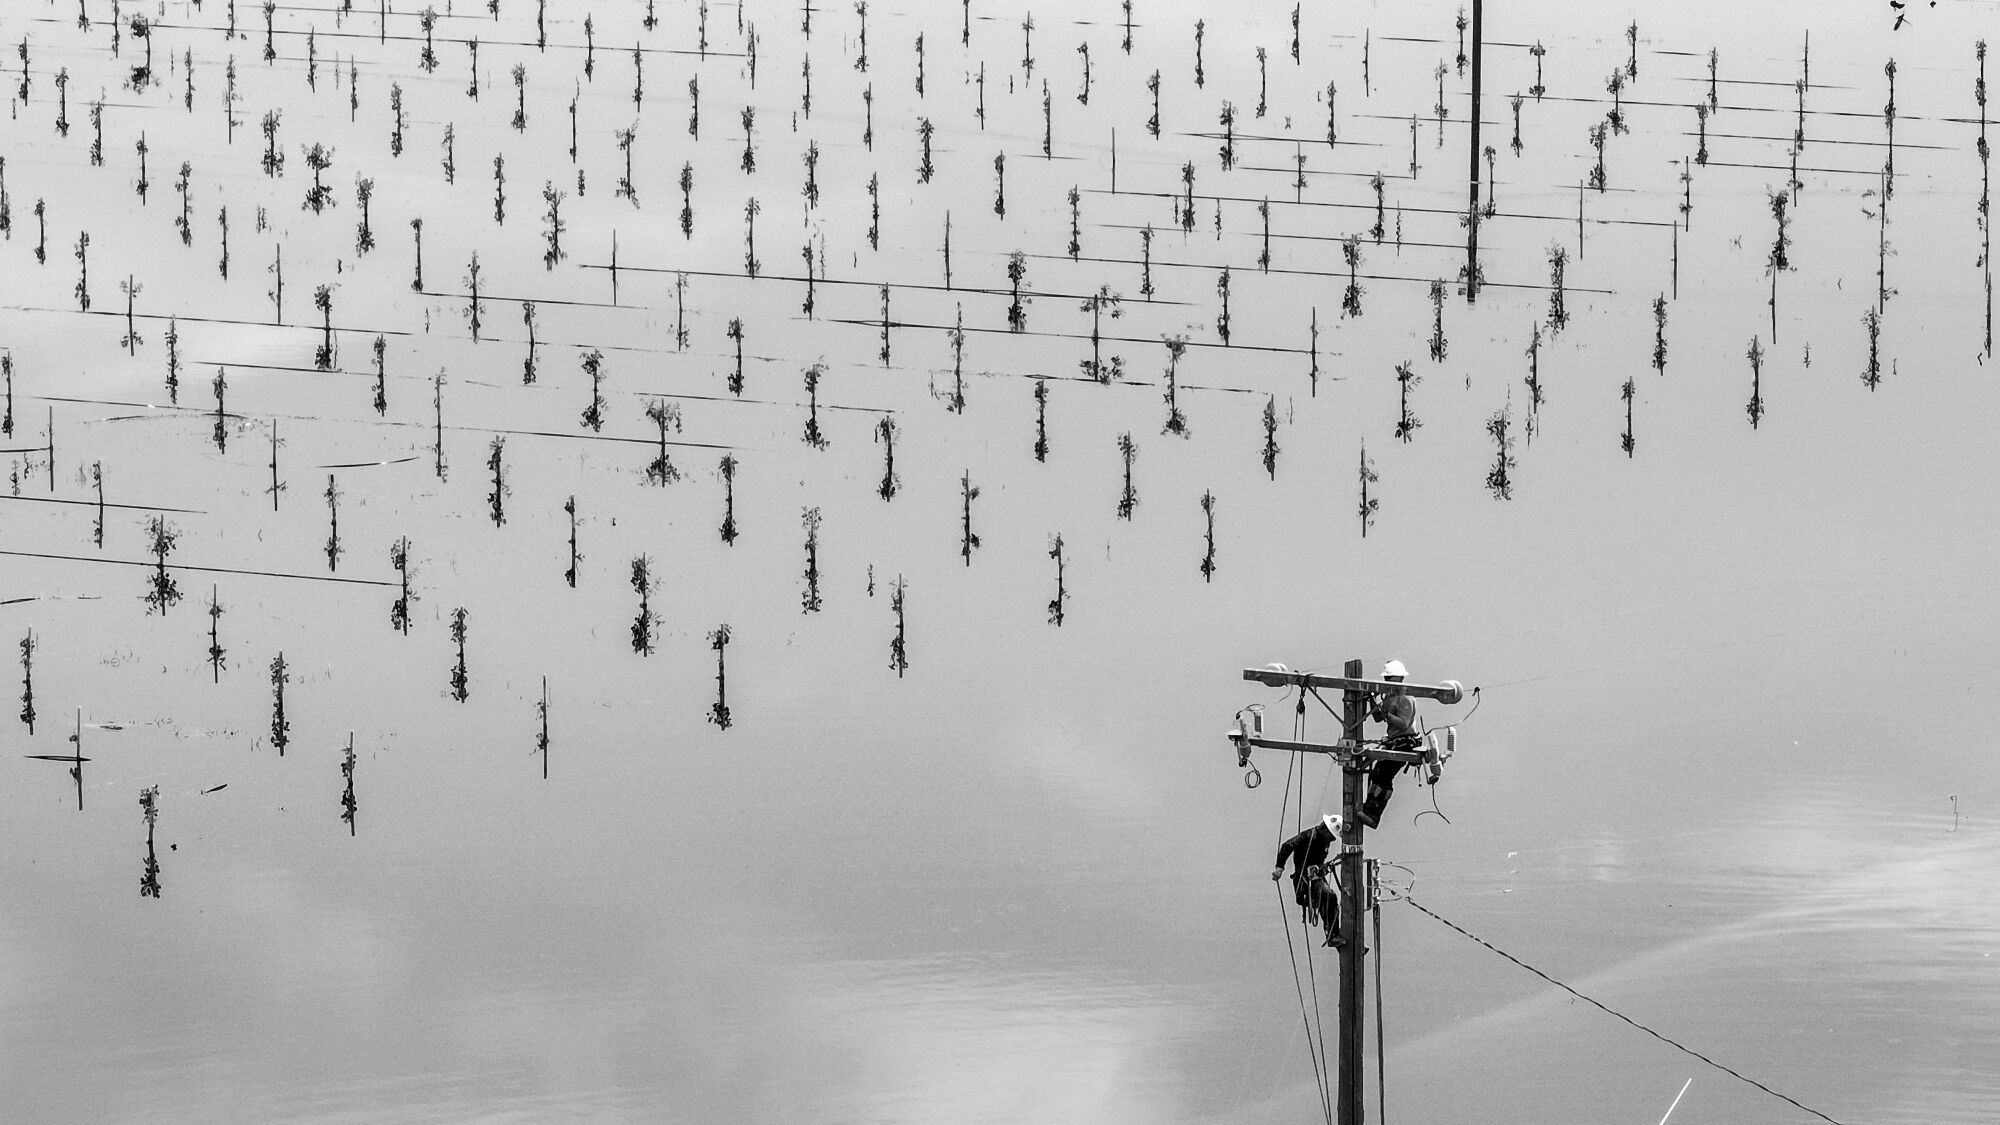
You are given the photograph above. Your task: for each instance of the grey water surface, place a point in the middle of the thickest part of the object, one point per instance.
(1729, 771)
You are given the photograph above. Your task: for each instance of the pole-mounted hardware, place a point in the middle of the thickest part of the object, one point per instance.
(1277, 675)
(1356, 756)
(1433, 749)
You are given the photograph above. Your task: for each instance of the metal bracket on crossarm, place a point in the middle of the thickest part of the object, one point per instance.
(1434, 748)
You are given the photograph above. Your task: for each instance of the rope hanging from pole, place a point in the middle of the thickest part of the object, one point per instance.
(1312, 1049)
(1325, 1074)
(1381, 1061)
(1315, 1042)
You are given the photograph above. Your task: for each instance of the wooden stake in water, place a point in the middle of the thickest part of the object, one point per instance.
(347, 804)
(276, 487)
(76, 770)
(215, 649)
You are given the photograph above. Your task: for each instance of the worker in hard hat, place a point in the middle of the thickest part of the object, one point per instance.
(1398, 712)
(1313, 878)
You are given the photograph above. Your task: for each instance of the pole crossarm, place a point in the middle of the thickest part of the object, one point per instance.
(1340, 751)
(1449, 691)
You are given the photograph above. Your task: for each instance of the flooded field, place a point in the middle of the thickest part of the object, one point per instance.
(683, 561)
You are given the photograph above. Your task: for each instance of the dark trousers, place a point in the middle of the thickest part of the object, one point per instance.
(1383, 774)
(1381, 783)
(1319, 896)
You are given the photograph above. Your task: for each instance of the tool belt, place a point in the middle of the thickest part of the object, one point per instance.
(1317, 876)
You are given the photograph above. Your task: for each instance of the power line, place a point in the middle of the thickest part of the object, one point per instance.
(1684, 1049)
(1312, 1048)
(1315, 1048)
(1312, 974)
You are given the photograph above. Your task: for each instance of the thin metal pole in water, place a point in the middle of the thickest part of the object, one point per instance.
(1472, 215)
(1354, 708)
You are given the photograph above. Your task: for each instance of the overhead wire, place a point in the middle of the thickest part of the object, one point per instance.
(1314, 1046)
(1325, 1074)
(1315, 1023)
(1395, 891)
(1675, 1044)
(1433, 810)
(1312, 1055)
(1404, 893)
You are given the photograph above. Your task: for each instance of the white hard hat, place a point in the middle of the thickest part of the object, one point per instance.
(1332, 822)
(1394, 670)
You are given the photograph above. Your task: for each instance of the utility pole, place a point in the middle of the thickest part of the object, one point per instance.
(1355, 760)
(1354, 709)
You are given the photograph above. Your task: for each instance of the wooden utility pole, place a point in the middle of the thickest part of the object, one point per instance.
(1355, 760)
(1353, 770)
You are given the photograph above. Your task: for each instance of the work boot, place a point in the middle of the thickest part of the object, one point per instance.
(1335, 941)
(1371, 809)
(1370, 812)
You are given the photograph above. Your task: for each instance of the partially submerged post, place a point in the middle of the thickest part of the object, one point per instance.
(542, 739)
(347, 803)
(1472, 206)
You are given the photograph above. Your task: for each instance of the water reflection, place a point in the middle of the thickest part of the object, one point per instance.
(149, 880)
(1896, 916)
(347, 802)
(977, 1039)
(75, 757)
(973, 849)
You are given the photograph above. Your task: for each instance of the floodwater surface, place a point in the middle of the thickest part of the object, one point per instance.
(819, 644)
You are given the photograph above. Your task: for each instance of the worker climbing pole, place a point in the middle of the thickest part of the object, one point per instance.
(1367, 768)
